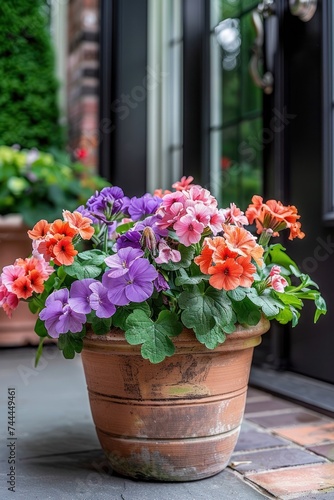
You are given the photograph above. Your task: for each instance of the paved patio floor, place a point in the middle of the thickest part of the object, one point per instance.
(284, 451)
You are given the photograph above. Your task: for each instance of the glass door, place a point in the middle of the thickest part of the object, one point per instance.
(236, 127)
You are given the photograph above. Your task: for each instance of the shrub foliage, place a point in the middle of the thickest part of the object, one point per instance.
(28, 102)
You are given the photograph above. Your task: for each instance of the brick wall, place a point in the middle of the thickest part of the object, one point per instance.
(82, 78)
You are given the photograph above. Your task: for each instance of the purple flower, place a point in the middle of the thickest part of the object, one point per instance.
(146, 205)
(134, 286)
(59, 316)
(103, 206)
(100, 302)
(120, 263)
(160, 283)
(129, 239)
(80, 295)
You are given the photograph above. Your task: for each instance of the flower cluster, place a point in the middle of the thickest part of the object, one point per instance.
(155, 264)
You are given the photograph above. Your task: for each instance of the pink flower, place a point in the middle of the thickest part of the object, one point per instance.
(275, 270)
(184, 183)
(188, 229)
(234, 215)
(166, 254)
(278, 283)
(10, 274)
(216, 222)
(200, 212)
(8, 300)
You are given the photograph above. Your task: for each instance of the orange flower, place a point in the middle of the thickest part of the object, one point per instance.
(81, 224)
(226, 275)
(36, 280)
(40, 230)
(239, 240)
(295, 231)
(64, 252)
(204, 260)
(22, 287)
(160, 193)
(59, 227)
(247, 277)
(275, 216)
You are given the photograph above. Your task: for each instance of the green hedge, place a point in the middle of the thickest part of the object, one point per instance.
(28, 87)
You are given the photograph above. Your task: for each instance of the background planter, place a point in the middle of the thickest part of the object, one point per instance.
(178, 420)
(15, 243)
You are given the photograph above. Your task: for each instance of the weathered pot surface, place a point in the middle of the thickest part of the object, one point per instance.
(178, 420)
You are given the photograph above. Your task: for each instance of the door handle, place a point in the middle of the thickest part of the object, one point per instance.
(264, 15)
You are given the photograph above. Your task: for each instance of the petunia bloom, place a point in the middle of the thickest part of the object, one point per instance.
(59, 316)
(134, 286)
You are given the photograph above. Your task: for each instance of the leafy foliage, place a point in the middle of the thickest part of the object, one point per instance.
(28, 87)
(33, 183)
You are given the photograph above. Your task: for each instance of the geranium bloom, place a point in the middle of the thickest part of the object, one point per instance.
(22, 287)
(60, 227)
(226, 275)
(40, 230)
(184, 183)
(10, 274)
(278, 283)
(275, 216)
(189, 230)
(166, 254)
(64, 252)
(83, 225)
(8, 300)
(243, 242)
(247, 276)
(234, 215)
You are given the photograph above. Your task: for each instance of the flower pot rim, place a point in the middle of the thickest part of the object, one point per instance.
(243, 337)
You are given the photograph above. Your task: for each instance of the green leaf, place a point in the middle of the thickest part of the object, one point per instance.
(203, 310)
(212, 338)
(101, 326)
(238, 293)
(122, 313)
(269, 305)
(185, 279)
(321, 307)
(70, 343)
(80, 271)
(154, 336)
(247, 312)
(95, 256)
(40, 328)
(276, 255)
(187, 255)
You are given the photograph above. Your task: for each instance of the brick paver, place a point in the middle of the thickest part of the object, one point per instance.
(284, 482)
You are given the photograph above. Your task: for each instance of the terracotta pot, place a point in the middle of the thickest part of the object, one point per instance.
(178, 420)
(15, 243)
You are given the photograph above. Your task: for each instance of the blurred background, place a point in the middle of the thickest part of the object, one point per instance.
(137, 93)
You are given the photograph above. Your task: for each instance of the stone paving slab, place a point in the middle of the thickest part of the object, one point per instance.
(59, 457)
(273, 459)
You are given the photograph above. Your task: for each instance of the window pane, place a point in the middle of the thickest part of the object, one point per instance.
(251, 96)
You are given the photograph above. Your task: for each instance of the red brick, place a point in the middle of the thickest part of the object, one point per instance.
(295, 479)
